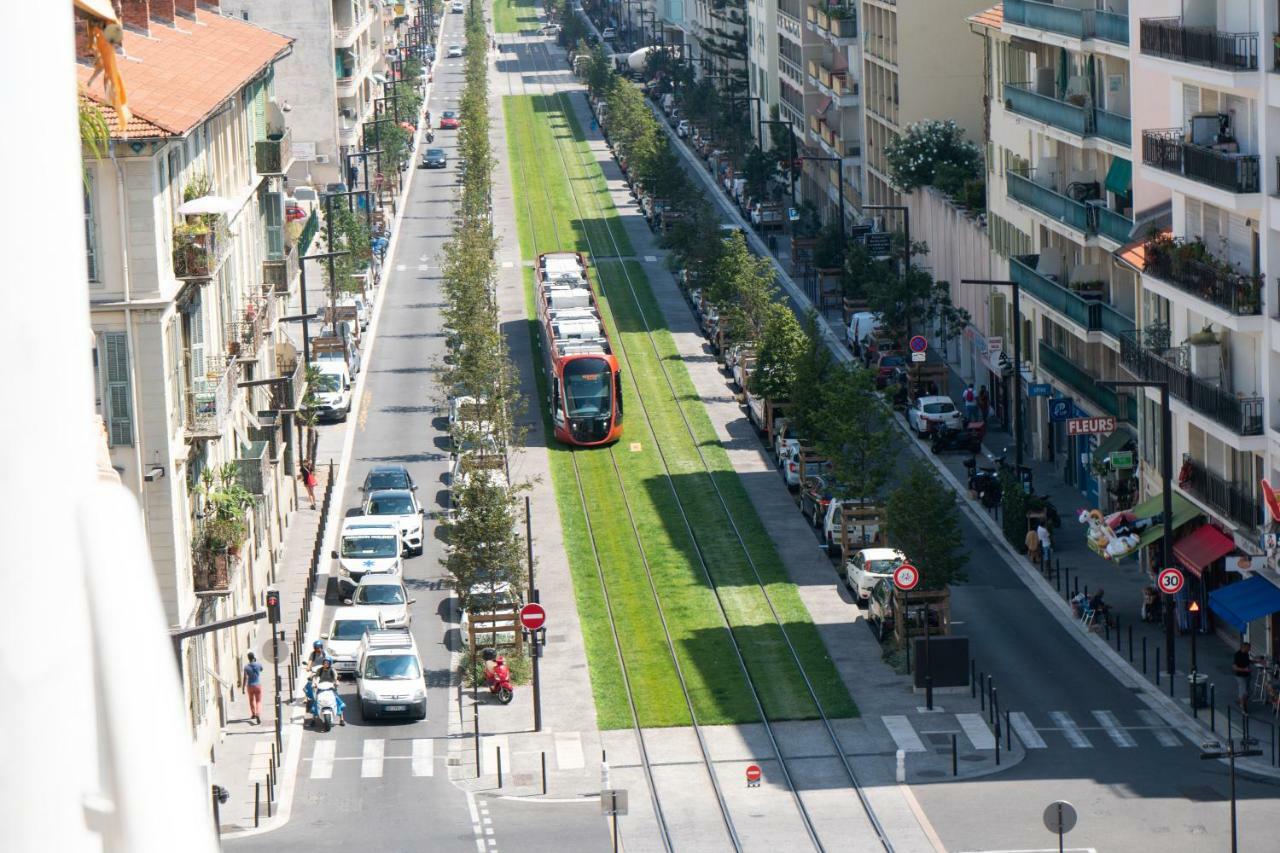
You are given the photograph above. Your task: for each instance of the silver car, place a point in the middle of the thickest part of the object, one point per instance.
(385, 595)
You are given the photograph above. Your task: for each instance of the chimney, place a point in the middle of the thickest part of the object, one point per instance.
(162, 11)
(185, 7)
(84, 47)
(136, 14)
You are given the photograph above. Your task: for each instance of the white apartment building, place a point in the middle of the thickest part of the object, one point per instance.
(330, 79)
(191, 367)
(833, 65)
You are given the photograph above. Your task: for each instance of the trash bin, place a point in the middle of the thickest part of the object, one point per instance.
(1198, 689)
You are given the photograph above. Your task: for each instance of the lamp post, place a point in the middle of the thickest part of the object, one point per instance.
(839, 161)
(1017, 359)
(1166, 476)
(791, 137)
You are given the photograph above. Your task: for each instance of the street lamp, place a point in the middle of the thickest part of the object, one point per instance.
(791, 137)
(1017, 359)
(1166, 476)
(839, 161)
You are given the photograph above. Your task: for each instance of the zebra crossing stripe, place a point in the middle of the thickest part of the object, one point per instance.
(371, 764)
(1026, 732)
(1118, 735)
(423, 756)
(903, 734)
(322, 759)
(1164, 734)
(1070, 730)
(975, 729)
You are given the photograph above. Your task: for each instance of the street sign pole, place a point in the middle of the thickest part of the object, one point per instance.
(534, 650)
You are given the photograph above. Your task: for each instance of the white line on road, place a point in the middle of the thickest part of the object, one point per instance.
(475, 821)
(424, 756)
(423, 267)
(322, 759)
(975, 728)
(371, 766)
(1025, 731)
(1070, 730)
(903, 734)
(1115, 731)
(1164, 734)
(401, 267)
(569, 750)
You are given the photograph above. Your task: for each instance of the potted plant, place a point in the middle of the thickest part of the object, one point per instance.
(1205, 337)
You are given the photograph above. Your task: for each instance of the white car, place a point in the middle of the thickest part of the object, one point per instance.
(457, 8)
(346, 631)
(402, 507)
(488, 598)
(472, 465)
(332, 390)
(362, 310)
(389, 679)
(608, 33)
(927, 414)
(868, 532)
(454, 52)
(386, 595)
(865, 568)
(682, 129)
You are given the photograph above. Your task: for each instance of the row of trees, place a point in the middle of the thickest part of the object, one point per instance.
(484, 545)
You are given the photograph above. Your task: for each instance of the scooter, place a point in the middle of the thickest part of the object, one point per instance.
(498, 677)
(984, 483)
(326, 705)
(968, 440)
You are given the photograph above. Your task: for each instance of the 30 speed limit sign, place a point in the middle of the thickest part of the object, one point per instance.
(1169, 581)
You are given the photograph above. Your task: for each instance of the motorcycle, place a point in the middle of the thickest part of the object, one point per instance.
(325, 705)
(498, 676)
(984, 483)
(968, 440)
(1043, 502)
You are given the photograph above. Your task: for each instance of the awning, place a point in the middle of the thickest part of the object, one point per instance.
(1113, 442)
(1200, 549)
(824, 106)
(1241, 603)
(1119, 176)
(1183, 511)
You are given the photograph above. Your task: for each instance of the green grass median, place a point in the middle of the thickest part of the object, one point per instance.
(514, 16)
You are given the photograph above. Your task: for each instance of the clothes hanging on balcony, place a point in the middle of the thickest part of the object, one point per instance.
(1119, 178)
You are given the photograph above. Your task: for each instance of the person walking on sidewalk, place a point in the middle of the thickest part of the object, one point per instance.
(1046, 544)
(251, 684)
(970, 404)
(308, 476)
(1242, 666)
(984, 403)
(1032, 543)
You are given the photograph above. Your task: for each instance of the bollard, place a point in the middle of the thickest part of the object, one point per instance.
(1008, 733)
(1086, 590)
(1144, 655)
(955, 767)
(1130, 644)
(1229, 709)
(271, 795)
(991, 705)
(499, 749)
(1213, 710)
(257, 800)
(973, 684)
(1106, 628)
(1066, 583)
(544, 773)
(476, 720)
(982, 692)
(1077, 588)
(1157, 666)
(1057, 571)
(997, 742)
(1172, 681)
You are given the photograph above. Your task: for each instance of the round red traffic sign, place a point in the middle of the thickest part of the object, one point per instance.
(753, 773)
(533, 616)
(918, 343)
(1169, 581)
(905, 577)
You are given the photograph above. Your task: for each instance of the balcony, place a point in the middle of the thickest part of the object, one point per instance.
(819, 75)
(274, 156)
(246, 335)
(253, 468)
(287, 393)
(1221, 495)
(1242, 415)
(1092, 315)
(1086, 384)
(1190, 268)
(1076, 23)
(1168, 38)
(1048, 201)
(278, 274)
(1079, 119)
(208, 405)
(198, 248)
(1169, 151)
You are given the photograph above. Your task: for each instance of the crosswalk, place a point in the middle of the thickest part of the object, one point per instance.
(374, 758)
(1048, 730)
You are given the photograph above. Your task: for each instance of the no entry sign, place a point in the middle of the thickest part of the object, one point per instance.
(533, 616)
(1170, 581)
(905, 577)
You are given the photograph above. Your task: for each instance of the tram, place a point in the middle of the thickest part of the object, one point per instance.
(586, 383)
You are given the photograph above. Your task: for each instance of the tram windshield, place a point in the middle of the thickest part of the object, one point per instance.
(588, 388)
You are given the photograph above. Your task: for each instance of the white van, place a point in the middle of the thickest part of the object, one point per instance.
(389, 677)
(332, 389)
(862, 325)
(367, 545)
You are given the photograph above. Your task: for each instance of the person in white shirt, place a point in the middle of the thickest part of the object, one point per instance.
(1042, 533)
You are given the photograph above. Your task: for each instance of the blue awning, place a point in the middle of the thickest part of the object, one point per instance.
(1241, 603)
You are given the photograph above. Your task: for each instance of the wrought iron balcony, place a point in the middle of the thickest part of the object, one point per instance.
(1092, 315)
(1169, 151)
(274, 156)
(1067, 21)
(1086, 384)
(198, 247)
(1190, 268)
(1221, 495)
(279, 273)
(208, 405)
(1169, 38)
(1242, 415)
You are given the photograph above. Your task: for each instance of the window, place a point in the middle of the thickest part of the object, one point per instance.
(117, 394)
(273, 221)
(91, 227)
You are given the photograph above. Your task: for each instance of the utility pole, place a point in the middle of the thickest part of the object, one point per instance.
(535, 648)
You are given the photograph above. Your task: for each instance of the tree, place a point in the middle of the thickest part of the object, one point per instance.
(484, 547)
(812, 369)
(757, 168)
(1013, 509)
(599, 72)
(742, 286)
(782, 345)
(915, 157)
(854, 432)
(914, 301)
(923, 521)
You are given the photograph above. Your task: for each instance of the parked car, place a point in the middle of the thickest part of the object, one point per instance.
(881, 607)
(448, 120)
(862, 325)
(387, 477)
(332, 390)
(294, 212)
(389, 677)
(815, 497)
(608, 33)
(400, 505)
(386, 595)
(454, 51)
(435, 158)
(802, 464)
(888, 365)
(927, 414)
(863, 569)
(683, 128)
(346, 632)
(457, 7)
(867, 533)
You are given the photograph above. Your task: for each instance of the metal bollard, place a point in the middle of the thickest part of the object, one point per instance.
(1077, 592)
(499, 749)
(1213, 710)
(1229, 709)
(1130, 644)
(1106, 628)
(1066, 583)
(1008, 733)
(991, 703)
(257, 802)
(982, 691)
(1157, 666)
(1144, 655)
(955, 766)
(973, 684)
(271, 795)
(544, 773)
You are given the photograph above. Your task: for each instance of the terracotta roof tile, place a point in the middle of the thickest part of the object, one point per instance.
(993, 17)
(180, 75)
(137, 128)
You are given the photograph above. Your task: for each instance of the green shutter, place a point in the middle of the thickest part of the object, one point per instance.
(119, 410)
(260, 111)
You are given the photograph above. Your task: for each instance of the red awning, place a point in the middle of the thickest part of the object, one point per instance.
(822, 107)
(1202, 548)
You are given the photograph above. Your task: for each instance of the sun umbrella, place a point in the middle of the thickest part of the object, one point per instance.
(407, 126)
(208, 204)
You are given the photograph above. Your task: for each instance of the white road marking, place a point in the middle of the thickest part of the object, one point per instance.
(371, 765)
(506, 265)
(975, 729)
(1164, 734)
(492, 743)
(423, 756)
(475, 821)
(1025, 731)
(423, 267)
(401, 267)
(903, 734)
(650, 259)
(569, 750)
(1115, 731)
(322, 759)
(1070, 730)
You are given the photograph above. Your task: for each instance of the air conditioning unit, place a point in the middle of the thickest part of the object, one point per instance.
(322, 158)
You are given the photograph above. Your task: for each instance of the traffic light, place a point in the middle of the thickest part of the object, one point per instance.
(273, 605)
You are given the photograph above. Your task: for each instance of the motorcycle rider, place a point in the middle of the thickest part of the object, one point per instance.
(317, 655)
(325, 674)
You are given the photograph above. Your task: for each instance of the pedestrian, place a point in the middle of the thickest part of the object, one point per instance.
(984, 403)
(308, 477)
(1032, 543)
(593, 125)
(251, 684)
(970, 404)
(353, 174)
(1046, 544)
(1242, 666)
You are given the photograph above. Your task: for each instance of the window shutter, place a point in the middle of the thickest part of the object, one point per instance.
(119, 409)
(260, 111)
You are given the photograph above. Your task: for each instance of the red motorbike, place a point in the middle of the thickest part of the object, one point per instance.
(498, 677)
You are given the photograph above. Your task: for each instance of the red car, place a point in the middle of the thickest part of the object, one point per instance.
(448, 120)
(293, 212)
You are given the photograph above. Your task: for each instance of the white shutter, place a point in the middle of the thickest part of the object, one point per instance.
(1190, 103)
(197, 341)
(119, 410)
(1195, 218)
(1239, 242)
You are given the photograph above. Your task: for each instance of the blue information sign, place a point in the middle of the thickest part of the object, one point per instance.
(1039, 389)
(1061, 409)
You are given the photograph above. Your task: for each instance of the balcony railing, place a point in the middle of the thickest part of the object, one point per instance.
(1080, 119)
(1223, 496)
(1169, 38)
(253, 468)
(286, 395)
(208, 405)
(1190, 268)
(245, 336)
(274, 156)
(1169, 151)
(1048, 201)
(843, 28)
(1112, 225)
(1086, 384)
(1242, 415)
(279, 273)
(1092, 315)
(1077, 23)
(1113, 126)
(197, 249)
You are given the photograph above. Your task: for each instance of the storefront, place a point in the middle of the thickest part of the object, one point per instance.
(1251, 600)
(1200, 555)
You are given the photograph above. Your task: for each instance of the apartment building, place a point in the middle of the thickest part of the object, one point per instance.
(190, 265)
(833, 127)
(336, 70)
